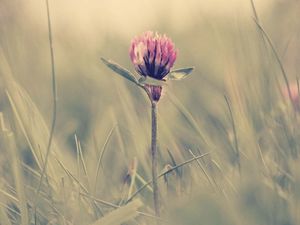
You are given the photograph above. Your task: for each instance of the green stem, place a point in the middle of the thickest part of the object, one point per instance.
(154, 158)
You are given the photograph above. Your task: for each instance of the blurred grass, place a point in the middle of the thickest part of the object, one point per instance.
(100, 154)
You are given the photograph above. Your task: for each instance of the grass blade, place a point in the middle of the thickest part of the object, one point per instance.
(120, 215)
(9, 142)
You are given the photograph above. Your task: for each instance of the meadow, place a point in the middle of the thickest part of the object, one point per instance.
(75, 137)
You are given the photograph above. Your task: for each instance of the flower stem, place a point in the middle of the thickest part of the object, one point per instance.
(154, 158)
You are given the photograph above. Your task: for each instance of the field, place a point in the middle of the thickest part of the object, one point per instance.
(75, 137)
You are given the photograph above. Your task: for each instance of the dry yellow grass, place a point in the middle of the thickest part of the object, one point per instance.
(248, 172)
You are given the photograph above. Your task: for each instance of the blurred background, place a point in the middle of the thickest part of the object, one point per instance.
(212, 36)
(250, 175)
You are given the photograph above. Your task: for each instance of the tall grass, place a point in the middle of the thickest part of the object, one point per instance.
(232, 160)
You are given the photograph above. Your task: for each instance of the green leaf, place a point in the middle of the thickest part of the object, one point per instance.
(120, 70)
(151, 81)
(179, 74)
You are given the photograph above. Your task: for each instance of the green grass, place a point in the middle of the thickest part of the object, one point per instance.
(232, 160)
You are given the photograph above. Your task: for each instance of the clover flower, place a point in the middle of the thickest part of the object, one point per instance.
(153, 55)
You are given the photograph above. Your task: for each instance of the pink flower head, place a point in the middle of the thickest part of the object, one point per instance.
(152, 54)
(295, 98)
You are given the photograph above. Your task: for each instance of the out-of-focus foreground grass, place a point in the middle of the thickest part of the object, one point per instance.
(100, 153)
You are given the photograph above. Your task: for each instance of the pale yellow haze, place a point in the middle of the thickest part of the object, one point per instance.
(127, 17)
